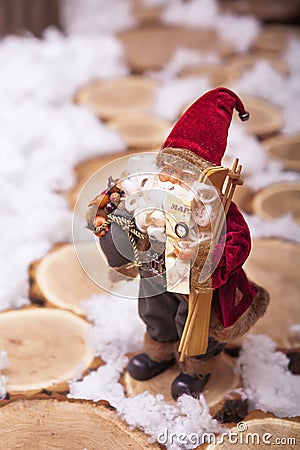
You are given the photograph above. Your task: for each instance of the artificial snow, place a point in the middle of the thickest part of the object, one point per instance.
(247, 148)
(239, 31)
(284, 91)
(161, 420)
(185, 58)
(259, 169)
(192, 14)
(267, 381)
(272, 172)
(124, 328)
(290, 55)
(96, 16)
(175, 95)
(263, 81)
(285, 227)
(2, 387)
(4, 362)
(155, 3)
(295, 328)
(51, 69)
(36, 164)
(43, 135)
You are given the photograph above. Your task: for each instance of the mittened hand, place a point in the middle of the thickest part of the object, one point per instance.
(183, 250)
(100, 220)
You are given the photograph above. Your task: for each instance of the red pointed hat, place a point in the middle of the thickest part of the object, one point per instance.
(203, 128)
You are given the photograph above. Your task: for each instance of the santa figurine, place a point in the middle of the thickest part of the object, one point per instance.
(195, 145)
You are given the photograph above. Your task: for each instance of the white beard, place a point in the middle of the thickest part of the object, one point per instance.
(147, 201)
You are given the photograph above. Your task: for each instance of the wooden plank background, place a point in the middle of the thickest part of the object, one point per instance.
(17, 16)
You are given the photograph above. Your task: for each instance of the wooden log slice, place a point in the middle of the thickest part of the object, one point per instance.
(146, 13)
(274, 38)
(286, 149)
(150, 48)
(278, 199)
(239, 64)
(217, 75)
(141, 131)
(41, 423)
(221, 382)
(58, 280)
(45, 347)
(274, 264)
(265, 118)
(63, 278)
(261, 430)
(84, 171)
(118, 96)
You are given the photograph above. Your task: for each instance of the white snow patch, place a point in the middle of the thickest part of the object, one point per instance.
(291, 55)
(117, 331)
(40, 145)
(173, 96)
(247, 148)
(284, 91)
(285, 227)
(271, 174)
(182, 59)
(192, 14)
(102, 384)
(4, 362)
(295, 328)
(153, 3)
(54, 67)
(43, 135)
(292, 102)
(263, 81)
(240, 31)
(160, 420)
(2, 387)
(96, 16)
(268, 383)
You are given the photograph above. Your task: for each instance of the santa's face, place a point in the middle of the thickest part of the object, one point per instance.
(183, 177)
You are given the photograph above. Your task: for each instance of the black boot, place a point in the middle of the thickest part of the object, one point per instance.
(188, 384)
(142, 367)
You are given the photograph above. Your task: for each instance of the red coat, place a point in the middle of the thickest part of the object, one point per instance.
(233, 292)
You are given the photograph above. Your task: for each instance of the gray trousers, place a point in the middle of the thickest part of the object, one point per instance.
(165, 313)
